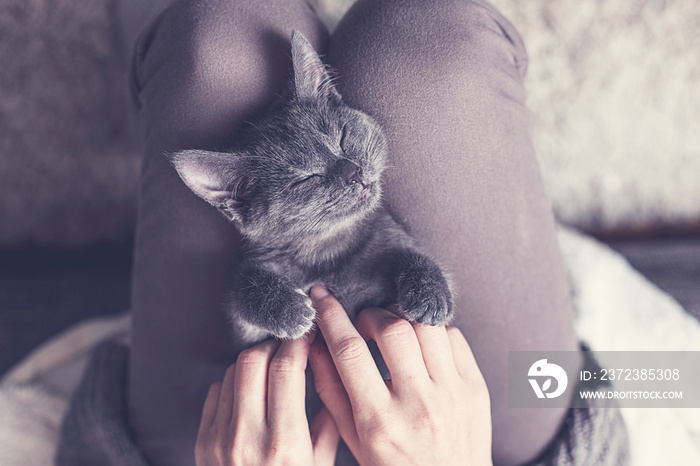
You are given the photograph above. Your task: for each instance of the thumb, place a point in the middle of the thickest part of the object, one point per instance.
(324, 438)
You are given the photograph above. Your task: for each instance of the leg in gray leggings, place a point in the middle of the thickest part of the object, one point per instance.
(445, 80)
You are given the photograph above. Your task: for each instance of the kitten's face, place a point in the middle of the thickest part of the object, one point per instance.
(310, 168)
(314, 169)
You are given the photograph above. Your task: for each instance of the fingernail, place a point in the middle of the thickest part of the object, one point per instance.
(319, 292)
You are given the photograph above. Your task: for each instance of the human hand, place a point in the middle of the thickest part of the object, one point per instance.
(256, 415)
(434, 410)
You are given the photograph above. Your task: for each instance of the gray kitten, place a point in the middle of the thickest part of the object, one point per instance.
(302, 186)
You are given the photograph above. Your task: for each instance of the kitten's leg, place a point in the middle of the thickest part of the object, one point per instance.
(423, 292)
(265, 302)
(445, 79)
(200, 69)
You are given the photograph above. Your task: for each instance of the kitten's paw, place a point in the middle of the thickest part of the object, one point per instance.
(424, 294)
(294, 316)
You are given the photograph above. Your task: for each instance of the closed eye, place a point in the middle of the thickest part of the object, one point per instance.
(306, 179)
(343, 133)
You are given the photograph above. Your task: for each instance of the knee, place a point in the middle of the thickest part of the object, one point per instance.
(198, 44)
(453, 40)
(214, 57)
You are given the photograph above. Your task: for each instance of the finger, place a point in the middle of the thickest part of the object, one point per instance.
(437, 350)
(324, 438)
(210, 404)
(330, 389)
(398, 344)
(208, 416)
(286, 384)
(351, 357)
(462, 354)
(224, 409)
(250, 385)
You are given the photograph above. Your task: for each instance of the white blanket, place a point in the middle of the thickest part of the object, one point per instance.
(617, 309)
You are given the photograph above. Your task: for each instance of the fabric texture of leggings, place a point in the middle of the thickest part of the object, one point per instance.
(445, 79)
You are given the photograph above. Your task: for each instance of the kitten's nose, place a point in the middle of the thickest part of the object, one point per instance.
(350, 172)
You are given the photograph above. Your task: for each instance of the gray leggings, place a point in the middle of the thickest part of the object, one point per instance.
(445, 79)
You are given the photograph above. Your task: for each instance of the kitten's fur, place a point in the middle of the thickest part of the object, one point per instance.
(303, 188)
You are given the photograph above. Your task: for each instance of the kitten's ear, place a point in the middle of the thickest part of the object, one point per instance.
(215, 177)
(311, 77)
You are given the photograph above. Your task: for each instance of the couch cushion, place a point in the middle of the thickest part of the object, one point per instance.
(68, 164)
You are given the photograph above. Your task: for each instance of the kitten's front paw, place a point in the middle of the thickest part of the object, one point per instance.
(424, 295)
(294, 316)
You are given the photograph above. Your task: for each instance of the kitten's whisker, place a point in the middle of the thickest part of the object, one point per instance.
(262, 133)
